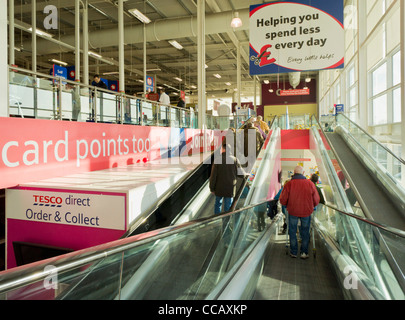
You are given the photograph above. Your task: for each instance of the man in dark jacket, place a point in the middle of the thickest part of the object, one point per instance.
(97, 82)
(223, 178)
(301, 197)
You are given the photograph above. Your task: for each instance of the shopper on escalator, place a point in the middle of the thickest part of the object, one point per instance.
(223, 178)
(301, 197)
(315, 179)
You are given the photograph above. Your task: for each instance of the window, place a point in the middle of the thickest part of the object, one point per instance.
(385, 90)
(352, 101)
(396, 101)
(380, 110)
(380, 79)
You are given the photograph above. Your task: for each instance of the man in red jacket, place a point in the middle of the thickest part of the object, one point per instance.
(300, 197)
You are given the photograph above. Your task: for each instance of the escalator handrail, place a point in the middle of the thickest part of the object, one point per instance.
(392, 230)
(374, 139)
(34, 272)
(345, 172)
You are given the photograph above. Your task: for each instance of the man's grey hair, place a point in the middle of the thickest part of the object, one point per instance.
(299, 170)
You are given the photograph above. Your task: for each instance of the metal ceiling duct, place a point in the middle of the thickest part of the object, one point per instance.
(165, 29)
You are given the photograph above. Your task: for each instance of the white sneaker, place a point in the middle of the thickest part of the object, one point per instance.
(304, 256)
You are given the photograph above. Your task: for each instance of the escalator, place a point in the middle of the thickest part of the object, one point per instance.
(190, 200)
(173, 205)
(367, 179)
(222, 257)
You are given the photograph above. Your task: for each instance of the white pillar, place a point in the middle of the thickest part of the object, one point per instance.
(3, 64)
(144, 61)
(362, 114)
(77, 40)
(121, 44)
(402, 37)
(34, 35)
(238, 75)
(85, 43)
(202, 102)
(11, 43)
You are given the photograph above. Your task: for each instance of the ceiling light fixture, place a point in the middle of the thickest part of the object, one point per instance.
(139, 15)
(236, 21)
(175, 44)
(94, 54)
(218, 76)
(110, 73)
(178, 79)
(308, 79)
(59, 62)
(266, 81)
(228, 83)
(42, 33)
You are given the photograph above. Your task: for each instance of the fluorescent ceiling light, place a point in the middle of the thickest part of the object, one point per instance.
(217, 76)
(155, 69)
(193, 87)
(266, 81)
(178, 79)
(175, 44)
(236, 21)
(206, 66)
(228, 83)
(94, 54)
(139, 15)
(110, 73)
(59, 62)
(42, 33)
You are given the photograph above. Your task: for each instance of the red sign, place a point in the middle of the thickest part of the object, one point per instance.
(33, 149)
(153, 96)
(295, 92)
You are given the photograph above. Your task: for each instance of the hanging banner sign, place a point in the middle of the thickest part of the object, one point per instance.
(296, 36)
(150, 84)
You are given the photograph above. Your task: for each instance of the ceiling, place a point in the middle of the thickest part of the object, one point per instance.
(171, 20)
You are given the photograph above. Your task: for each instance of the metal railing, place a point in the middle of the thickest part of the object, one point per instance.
(42, 96)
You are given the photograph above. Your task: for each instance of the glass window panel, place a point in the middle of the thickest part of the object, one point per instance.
(396, 100)
(396, 68)
(380, 110)
(380, 79)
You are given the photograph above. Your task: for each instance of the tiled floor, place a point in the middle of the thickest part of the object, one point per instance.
(286, 278)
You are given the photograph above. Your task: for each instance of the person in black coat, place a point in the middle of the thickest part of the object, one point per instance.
(223, 179)
(98, 83)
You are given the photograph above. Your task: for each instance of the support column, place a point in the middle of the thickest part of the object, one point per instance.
(238, 75)
(255, 93)
(144, 61)
(121, 45)
(362, 114)
(11, 43)
(86, 42)
(202, 102)
(4, 63)
(34, 35)
(402, 38)
(77, 40)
